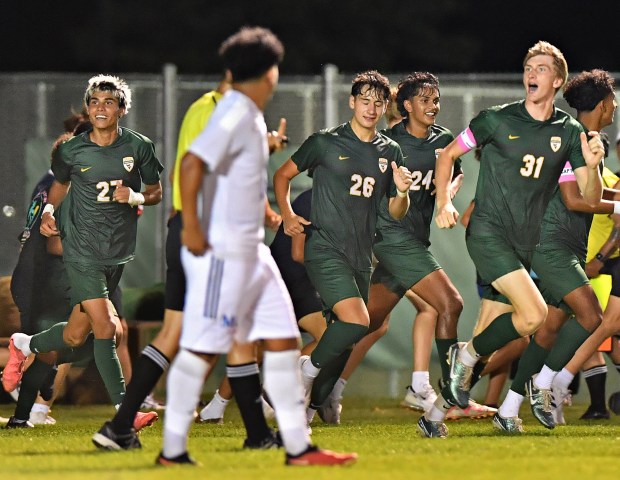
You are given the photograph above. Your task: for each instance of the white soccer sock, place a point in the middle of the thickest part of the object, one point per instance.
(420, 380)
(563, 379)
(185, 380)
(40, 407)
(468, 355)
(310, 412)
(511, 405)
(216, 407)
(544, 378)
(282, 383)
(22, 342)
(438, 411)
(309, 369)
(338, 389)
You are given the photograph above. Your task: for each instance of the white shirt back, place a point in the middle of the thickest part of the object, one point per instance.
(234, 147)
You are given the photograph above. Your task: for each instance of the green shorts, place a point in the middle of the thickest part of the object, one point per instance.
(495, 257)
(333, 277)
(402, 265)
(90, 281)
(560, 272)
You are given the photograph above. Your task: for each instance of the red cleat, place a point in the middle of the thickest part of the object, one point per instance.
(14, 370)
(144, 419)
(316, 456)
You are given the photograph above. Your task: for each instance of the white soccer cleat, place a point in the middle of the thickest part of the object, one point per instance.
(420, 401)
(41, 418)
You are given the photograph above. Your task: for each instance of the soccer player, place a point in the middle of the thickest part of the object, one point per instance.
(406, 265)
(525, 145)
(558, 262)
(355, 169)
(98, 175)
(235, 293)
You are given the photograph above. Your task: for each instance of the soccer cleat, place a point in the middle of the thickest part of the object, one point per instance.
(541, 401)
(330, 410)
(183, 459)
(456, 392)
(474, 411)
(41, 418)
(150, 403)
(15, 423)
(214, 411)
(315, 456)
(432, 429)
(273, 440)
(420, 401)
(14, 369)
(561, 397)
(108, 439)
(593, 414)
(144, 419)
(507, 424)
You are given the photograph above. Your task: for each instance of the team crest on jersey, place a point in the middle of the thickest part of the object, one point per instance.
(556, 143)
(383, 163)
(128, 163)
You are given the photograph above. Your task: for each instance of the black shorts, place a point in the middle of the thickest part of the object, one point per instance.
(306, 299)
(175, 276)
(612, 267)
(117, 300)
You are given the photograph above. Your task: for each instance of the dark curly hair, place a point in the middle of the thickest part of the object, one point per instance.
(586, 90)
(412, 85)
(375, 81)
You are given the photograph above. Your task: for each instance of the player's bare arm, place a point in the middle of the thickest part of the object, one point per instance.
(589, 177)
(293, 223)
(191, 175)
(151, 195)
(400, 203)
(56, 195)
(572, 198)
(447, 216)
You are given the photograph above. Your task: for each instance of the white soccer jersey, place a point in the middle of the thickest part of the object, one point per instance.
(234, 147)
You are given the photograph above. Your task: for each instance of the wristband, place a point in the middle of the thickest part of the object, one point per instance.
(616, 207)
(402, 194)
(135, 198)
(49, 208)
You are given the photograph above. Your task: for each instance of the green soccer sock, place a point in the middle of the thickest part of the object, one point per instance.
(83, 354)
(326, 379)
(496, 335)
(49, 340)
(109, 368)
(531, 362)
(31, 382)
(443, 345)
(338, 337)
(570, 338)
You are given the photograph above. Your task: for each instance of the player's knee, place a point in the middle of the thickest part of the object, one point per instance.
(530, 321)
(73, 339)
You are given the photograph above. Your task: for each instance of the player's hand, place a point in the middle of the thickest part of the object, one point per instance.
(593, 268)
(48, 225)
(447, 216)
(272, 219)
(593, 149)
(294, 225)
(193, 238)
(277, 139)
(402, 177)
(121, 194)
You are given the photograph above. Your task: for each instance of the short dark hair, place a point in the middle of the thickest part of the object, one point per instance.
(586, 90)
(412, 85)
(375, 81)
(250, 52)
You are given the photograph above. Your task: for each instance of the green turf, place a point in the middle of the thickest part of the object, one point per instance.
(383, 434)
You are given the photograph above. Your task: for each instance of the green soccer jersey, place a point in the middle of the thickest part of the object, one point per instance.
(350, 177)
(521, 161)
(419, 156)
(95, 229)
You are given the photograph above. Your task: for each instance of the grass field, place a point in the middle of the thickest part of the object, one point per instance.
(384, 436)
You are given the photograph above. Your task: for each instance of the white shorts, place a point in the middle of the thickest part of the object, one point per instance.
(234, 299)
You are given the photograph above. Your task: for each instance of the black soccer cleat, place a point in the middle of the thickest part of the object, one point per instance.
(108, 439)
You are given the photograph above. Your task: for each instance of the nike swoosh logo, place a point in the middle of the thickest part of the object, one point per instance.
(340, 157)
(84, 169)
(513, 137)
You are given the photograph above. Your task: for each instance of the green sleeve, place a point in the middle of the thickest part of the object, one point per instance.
(309, 155)
(61, 164)
(483, 126)
(150, 167)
